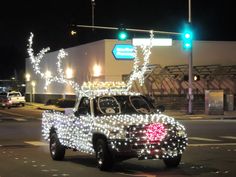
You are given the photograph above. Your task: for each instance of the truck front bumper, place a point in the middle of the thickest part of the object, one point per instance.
(144, 150)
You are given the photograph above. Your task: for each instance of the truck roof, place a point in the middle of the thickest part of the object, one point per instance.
(93, 89)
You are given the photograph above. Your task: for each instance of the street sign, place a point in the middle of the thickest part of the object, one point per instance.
(155, 41)
(123, 52)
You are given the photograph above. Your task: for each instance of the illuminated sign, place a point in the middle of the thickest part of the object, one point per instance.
(155, 41)
(123, 52)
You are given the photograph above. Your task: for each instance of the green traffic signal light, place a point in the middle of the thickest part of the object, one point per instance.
(122, 35)
(187, 39)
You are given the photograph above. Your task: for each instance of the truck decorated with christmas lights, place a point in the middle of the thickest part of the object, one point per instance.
(114, 125)
(110, 121)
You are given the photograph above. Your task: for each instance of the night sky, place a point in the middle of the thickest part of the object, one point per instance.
(51, 22)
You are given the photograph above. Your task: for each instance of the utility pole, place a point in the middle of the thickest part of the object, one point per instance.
(93, 7)
(190, 74)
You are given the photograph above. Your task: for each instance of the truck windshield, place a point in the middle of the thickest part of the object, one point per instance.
(123, 105)
(14, 94)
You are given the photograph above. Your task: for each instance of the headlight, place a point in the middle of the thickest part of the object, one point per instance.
(181, 133)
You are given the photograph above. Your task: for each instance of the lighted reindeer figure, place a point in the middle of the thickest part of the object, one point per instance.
(138, 70)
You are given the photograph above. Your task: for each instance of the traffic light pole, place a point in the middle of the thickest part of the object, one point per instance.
(190, 83)
(128, 29)
(190, 72)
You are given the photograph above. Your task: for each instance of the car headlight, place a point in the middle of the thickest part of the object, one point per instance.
(181, 133)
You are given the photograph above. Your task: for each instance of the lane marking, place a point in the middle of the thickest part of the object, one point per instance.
(196, 117)
(202, 139)
(143, 175)
(229, 137)
(36, 143)
(11, 113)
(20, 119)
(215, 144)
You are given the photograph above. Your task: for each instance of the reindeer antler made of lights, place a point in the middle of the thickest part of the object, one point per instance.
(36, 59)
(138, 71)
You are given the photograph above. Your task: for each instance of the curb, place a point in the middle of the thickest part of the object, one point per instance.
(49, 109)
(206, 118)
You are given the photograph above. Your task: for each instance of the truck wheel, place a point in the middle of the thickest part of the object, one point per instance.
(172, 162)
(103, 156)
(57, 150)
(22, 104)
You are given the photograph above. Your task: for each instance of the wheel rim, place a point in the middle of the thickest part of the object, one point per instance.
(100, 155)
(53, 146)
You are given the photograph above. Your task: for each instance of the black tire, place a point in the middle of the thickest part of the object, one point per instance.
(57, 150)
(22, 104)
(172, 162)
(103, 156)
(9, 107)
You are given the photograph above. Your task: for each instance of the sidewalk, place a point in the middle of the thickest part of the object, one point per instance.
(41, 106)
(200, 116)
(180, 115)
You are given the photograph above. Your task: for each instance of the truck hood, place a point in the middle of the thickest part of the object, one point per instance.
(118, 122)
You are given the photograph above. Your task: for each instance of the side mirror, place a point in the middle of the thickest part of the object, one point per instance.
(161, 108)
(69, 111)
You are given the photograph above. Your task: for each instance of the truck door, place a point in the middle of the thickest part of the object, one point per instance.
(84, 125)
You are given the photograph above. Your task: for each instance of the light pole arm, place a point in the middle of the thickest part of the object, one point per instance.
(128, 29)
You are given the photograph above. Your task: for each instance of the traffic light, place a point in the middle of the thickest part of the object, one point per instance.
(187, 39)
(122, 34)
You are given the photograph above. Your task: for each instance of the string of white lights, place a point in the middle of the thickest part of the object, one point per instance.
(138, 71)
(36, 60)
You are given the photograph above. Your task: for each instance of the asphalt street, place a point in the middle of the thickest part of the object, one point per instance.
(23, 153)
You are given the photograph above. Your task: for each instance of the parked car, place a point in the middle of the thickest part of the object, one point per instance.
(5, 102)
(15, 97)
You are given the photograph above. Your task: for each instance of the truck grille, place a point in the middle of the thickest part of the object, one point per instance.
(146, 134)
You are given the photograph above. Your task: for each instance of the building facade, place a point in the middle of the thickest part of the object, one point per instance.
(168, 67)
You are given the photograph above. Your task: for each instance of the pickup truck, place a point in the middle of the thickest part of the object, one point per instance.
(16, 98)
(115, 127)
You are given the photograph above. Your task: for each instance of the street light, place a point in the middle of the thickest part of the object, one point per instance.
(27, 77)
(69, 73)
(48, 74)
(97, 70)
(32, 96)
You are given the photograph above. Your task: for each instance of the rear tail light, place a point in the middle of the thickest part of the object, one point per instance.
(156, 132)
